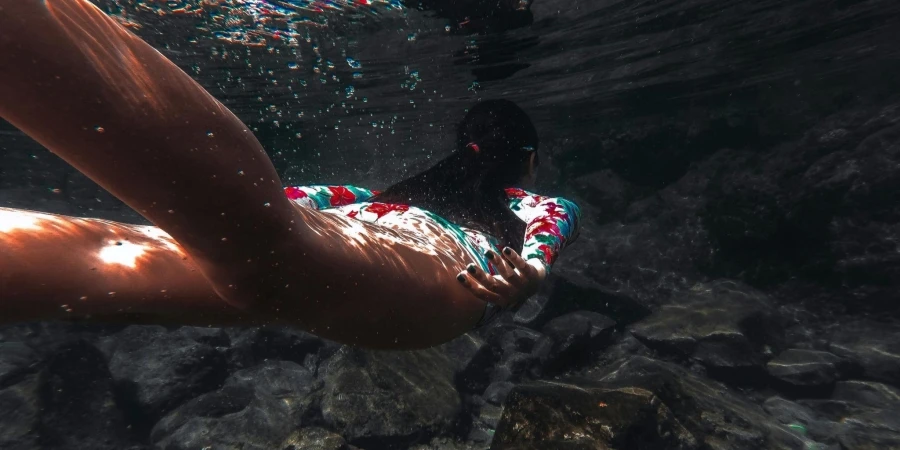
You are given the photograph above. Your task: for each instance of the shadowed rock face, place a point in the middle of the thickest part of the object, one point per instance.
(557, 415)
(722, 325)
(413, 393)
(155, 370)
(874, 346)
(257, 408)
(807, 367)
(641, 404)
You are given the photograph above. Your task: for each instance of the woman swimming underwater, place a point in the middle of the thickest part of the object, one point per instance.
(414, 266)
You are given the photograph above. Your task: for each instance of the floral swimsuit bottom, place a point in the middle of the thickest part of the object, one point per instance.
(551, 222)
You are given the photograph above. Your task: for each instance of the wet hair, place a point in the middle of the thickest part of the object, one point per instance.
(493, 145)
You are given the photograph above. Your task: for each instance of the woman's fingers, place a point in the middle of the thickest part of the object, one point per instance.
(480, 291)
(516, 279)
(506, 270)
(494, 284)
(527, 270)
(503, 269)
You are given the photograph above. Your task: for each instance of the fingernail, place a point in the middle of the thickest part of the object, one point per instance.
(489, 254)
(461, 278)
(471, 269)
(507, 251)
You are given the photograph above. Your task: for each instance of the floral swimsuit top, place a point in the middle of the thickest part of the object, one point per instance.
(551, 222)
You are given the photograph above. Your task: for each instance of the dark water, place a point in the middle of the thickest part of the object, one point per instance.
(738, 163)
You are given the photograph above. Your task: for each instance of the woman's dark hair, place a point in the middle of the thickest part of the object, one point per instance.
(493, 145)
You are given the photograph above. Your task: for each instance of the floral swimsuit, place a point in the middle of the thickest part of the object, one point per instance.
(551, 222)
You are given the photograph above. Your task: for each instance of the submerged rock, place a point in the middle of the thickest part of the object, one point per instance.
(575, 336)
(257, 408)
(607, 191)
(496, 392)
(875, 346)
(559, 415)
(859, 426)
(817, 431)
(868, 393)
(807, 367)
(19, 410)
(315, 438)
(721, 324)
(389, 397)
(156, 370)
(251, 346)
(639, 403)
(860, 415)
(472, 358)
(78, 401)
(16, 359)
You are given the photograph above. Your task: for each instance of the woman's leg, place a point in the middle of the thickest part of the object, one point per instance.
(61, 267)
(120, 112)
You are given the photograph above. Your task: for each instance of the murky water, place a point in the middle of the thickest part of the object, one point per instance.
(340, 84)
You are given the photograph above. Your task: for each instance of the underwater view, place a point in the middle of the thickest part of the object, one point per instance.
(449, 224)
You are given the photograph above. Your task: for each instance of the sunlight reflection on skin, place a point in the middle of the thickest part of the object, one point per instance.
(124, 245)
(115, 62)
(422, 236)
(128, 245)
(125, 268)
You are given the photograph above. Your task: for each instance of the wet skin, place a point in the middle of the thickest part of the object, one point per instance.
(229, 247)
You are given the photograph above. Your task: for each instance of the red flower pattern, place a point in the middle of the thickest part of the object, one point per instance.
(294, 193)
(382, 209)
(549, 253)
(543, 226)
(544, 231)
(516, 193)
(556, 211)
(341, 196)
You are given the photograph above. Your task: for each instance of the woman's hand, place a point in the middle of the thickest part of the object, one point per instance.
(515, 281)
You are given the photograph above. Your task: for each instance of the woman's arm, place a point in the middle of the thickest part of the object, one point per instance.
(120, 112)
(551, 224)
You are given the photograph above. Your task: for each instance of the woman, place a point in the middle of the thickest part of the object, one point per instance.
(231, 247)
